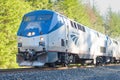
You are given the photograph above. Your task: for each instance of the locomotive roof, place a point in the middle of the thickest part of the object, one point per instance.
(37, 12)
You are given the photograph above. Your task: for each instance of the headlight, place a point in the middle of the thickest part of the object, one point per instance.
(41, 39)
(31, 34)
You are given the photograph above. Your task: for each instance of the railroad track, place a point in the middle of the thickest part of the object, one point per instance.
(38, 69)
(46, 68)
(30, 69)
(22, 69)
(109, 72)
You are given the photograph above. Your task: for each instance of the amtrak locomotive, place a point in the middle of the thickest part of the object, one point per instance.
(48, 38)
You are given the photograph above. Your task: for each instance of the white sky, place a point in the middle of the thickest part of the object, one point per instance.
(103, 5)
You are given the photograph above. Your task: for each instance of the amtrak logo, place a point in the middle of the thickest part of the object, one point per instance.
(75, 39)
(33, 25)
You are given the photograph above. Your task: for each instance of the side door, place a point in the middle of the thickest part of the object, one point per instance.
(66, 21)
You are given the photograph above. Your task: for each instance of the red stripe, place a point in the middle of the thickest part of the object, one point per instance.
(68, 52)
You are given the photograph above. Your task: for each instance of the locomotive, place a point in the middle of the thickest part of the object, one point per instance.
(46, 37)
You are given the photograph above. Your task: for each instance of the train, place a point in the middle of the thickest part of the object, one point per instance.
(46, 37)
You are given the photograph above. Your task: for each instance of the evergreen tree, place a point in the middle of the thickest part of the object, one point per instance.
(112, 23)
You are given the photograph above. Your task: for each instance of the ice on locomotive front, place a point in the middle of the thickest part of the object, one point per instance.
(32, 38)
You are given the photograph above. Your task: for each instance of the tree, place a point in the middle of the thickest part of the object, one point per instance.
(40, 4)
(74, 9)
(11, 13)
(113, 23)
(95, 18)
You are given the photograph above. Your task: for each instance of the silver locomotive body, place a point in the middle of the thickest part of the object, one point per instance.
(47, 37)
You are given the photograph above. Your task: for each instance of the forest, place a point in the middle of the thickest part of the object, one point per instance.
(11, 12)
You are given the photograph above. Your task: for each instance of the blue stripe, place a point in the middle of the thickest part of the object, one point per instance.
(72, 35)
(58, 25)
(76, 40)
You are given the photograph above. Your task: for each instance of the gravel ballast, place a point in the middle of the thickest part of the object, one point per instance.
(96, 73)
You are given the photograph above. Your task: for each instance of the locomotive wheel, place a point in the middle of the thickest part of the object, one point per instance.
(71, 58)
(66, 60)
(100, 61)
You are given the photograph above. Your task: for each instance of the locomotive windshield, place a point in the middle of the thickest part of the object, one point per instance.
(41, 17)
(44, 17)
(29, 18)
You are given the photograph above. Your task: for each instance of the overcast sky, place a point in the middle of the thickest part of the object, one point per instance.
(103, 5)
